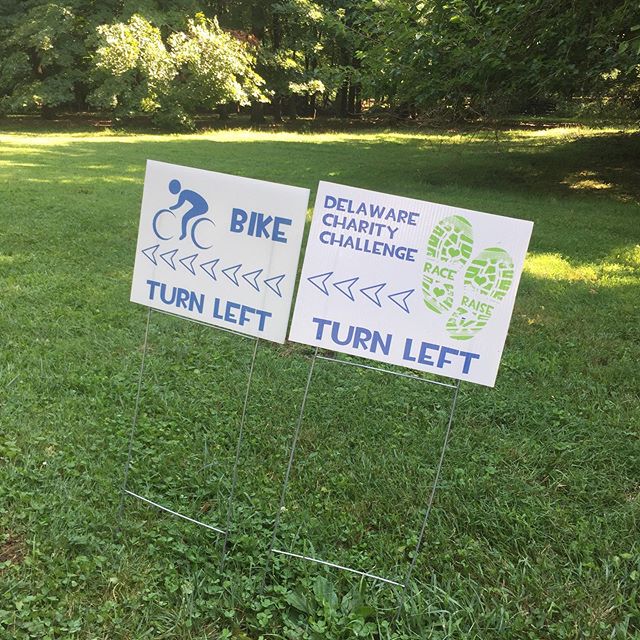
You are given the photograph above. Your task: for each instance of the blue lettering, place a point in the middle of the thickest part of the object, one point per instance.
(329, 202)
(238, 218)
(361, 338)
(278, 234)
(326, 237)
(423, 356)
(376, 211)
(335, 333)
(216, 309)
(179, 297)
(322, 323)
(263, 317)
(152, 288)
(406, 355)
(228, 312)
(167, 299)
(240, 314)
(327, 218)
(354, 337)
(379, 343)
(196, 301)
(260, 225)
(444, 352)
(468, 357)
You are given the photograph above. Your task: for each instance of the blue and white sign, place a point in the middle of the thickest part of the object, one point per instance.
(409, 282)
(219, 249)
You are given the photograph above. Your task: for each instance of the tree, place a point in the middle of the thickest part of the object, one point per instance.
(480, 58)
(134, 70)
(196, 69)
(459, 59)
(44, 57)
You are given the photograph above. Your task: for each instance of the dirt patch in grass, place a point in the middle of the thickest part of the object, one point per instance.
(12, 549)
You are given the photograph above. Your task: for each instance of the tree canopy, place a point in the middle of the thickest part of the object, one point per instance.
(176, 59)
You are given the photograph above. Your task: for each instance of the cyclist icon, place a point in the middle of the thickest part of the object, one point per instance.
(164, 220)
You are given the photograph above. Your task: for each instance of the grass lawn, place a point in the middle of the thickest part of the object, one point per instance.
(535, 529)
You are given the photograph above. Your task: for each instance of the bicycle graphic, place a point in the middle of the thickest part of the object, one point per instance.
(165, 221)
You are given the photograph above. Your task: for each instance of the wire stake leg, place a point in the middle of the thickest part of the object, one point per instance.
(434, 486)
(134, 423)
(234, 479)
(292, 453)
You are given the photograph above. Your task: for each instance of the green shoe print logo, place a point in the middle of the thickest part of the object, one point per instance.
(487, 279)
(448, 249)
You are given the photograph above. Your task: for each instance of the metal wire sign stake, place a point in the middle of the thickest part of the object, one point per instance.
(218, 250)
(410, 283)
(404, 584)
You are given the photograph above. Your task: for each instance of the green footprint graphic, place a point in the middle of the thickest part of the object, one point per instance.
(487, 280)
(448, 249)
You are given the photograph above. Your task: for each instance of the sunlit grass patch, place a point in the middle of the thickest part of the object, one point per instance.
(553, 266)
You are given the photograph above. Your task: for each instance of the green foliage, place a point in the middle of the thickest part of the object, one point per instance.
(134, 68)
(198, 69)
(44, 58)
(489, 59)
(213, 66)
(459, 59)
(291, 52)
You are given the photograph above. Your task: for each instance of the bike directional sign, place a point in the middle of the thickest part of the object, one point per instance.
(219, 249)
(408, 282)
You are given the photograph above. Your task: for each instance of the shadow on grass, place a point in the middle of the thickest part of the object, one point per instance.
(587, 184)
(602, 165)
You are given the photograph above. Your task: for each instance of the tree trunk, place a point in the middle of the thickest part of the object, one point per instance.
(257, 113)
(47, 112)
(343, 99)
(356, 109)
(277, 109)
(351, 107)
(292, 111)
(258, 19)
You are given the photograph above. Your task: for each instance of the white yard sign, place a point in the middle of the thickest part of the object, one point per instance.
(219, 249)
(408, 282)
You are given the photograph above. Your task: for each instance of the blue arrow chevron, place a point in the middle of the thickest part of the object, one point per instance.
(376, 288)
(346, 290)
(234, 272)
(254, 280)
(275, 287)
(152, 255)
(208, 268)
(403, 295)
(169, 260)
(189, 260)
(323, 277)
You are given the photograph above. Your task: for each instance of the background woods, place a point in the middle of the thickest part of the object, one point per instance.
(464, 59)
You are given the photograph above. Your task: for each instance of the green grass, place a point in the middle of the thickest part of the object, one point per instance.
(534, 533)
